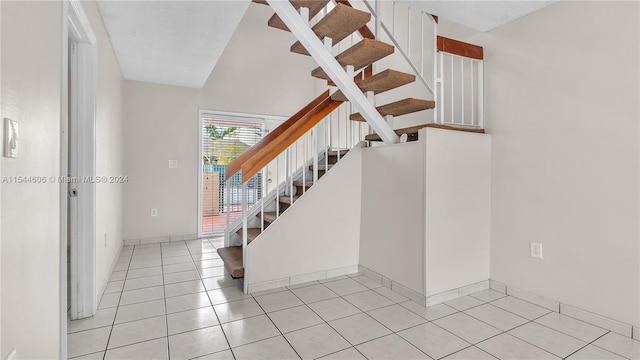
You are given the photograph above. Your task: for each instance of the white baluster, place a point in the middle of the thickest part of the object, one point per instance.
(462, 89)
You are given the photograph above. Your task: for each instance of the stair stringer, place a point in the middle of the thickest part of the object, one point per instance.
(317, 238)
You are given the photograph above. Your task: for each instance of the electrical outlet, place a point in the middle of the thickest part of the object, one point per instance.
(536, 250)
(154, 212)
(173, 164)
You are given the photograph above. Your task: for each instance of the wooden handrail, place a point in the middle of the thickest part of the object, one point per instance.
(460, 48)
(269, 148)
(235, 165)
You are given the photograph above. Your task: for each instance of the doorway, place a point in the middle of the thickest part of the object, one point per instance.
(77, 189)
(223, 137)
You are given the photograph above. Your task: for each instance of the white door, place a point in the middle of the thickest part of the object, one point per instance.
(79, 165)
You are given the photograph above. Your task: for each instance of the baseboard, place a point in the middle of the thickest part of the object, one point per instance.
(393, 285)
(160, 239)
(457, 293)
(569, 310)
(299, 279)
(106, 280)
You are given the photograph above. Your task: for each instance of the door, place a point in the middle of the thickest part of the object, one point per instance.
(78, 165)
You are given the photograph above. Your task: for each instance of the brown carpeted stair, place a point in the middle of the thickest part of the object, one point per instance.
(314, 6)
(362, 54)
(232, 258)
(339, 23)
(398, 108)
(412, 132)
(380, 82)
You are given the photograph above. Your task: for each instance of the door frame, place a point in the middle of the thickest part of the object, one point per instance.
(223, 115)
(79, 111)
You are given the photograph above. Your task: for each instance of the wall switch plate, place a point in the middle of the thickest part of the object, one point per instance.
(10, 138)
(154, 212)
(173, 164)
(536, 250)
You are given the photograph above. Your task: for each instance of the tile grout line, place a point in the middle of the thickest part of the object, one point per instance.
(118, 306)
(274, 324)
(600, 347)
(367, 314)
(468, 347)
(166, 310)
(211, 303)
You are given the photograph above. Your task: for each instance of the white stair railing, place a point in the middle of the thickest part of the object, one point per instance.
(300, 161)
(458, 81)
(459, 90)
(427, 29)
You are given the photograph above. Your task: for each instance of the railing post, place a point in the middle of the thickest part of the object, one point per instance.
(481, 94)
(409, 32)
(436, 79)
(453, 119)
(462, 90)
(278, 186)
(441, 92)
(471, 76)
(262, 186)
(227, 203)
(378, 18)
(244, 228)
(314, 137)
(422, 45)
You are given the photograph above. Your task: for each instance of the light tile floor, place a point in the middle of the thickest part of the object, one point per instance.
(175, 301)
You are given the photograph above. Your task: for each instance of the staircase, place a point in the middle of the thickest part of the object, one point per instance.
(338, 24)
(232, 255)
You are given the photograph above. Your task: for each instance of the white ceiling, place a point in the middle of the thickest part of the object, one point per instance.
(179, 42)
(170, 42)
(483, 15)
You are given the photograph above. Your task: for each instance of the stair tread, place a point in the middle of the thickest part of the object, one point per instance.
(322, 167)
(252, 233)
(380, 82)
(342, 152)
(413, 130)
(401, 107)
(269, 216)
(232, 258)
(307, 183)
(314, 6)
(339, 23)
(286, 199)
(364, 53)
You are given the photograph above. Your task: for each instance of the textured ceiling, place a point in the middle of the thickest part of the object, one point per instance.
(482, 15)
(179, 42)
(170, 42)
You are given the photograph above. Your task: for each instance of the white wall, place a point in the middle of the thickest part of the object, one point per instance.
(256, 74)
(109, 155)
(31, 79)
(458, 197)
(561, 103)
(392, 213)
(321, 232)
